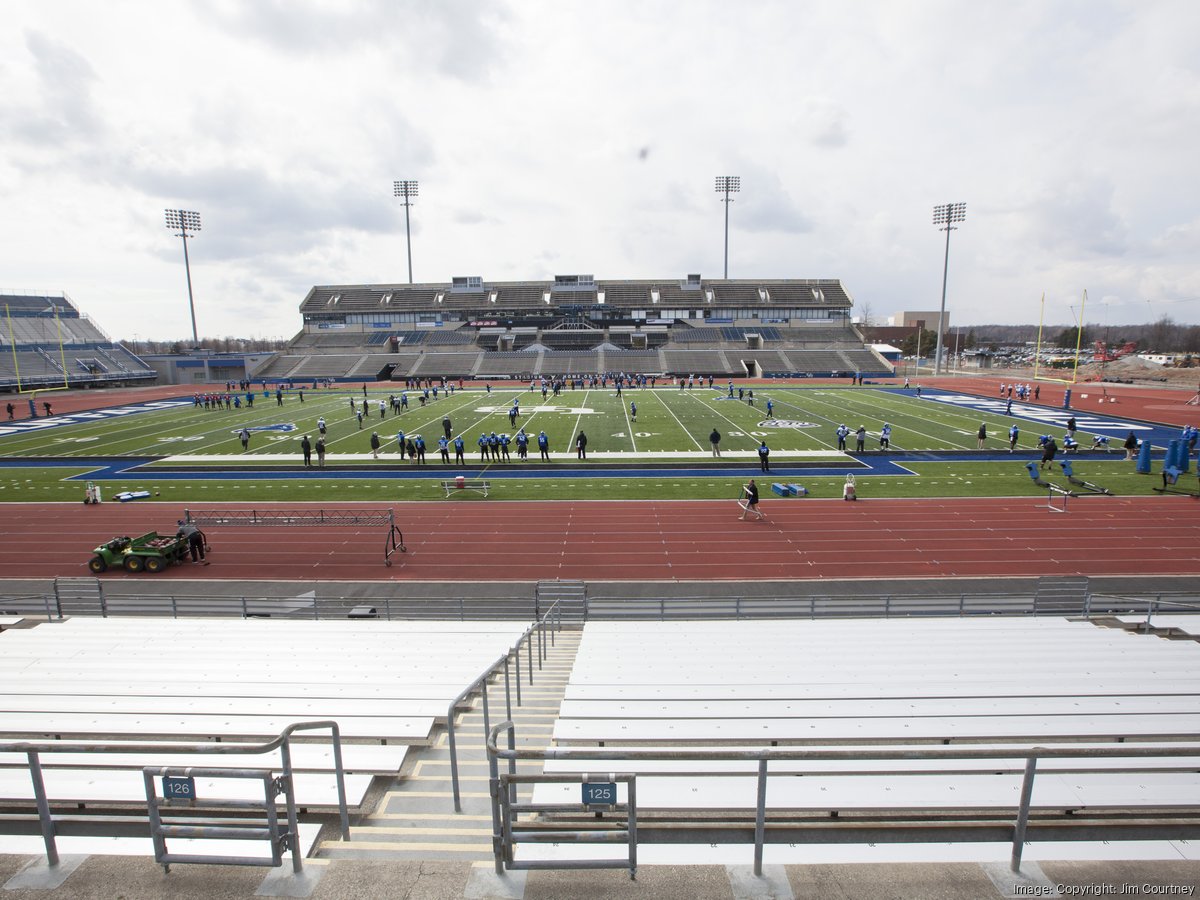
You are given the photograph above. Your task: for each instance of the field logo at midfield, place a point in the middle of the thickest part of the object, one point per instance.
(279, 426)
(786, 423)
(530, 410)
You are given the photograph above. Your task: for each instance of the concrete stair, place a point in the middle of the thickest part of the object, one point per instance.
(415, 817)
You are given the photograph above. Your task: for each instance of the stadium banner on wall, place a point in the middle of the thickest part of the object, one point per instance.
(381, 324)
(331, 324)
(483, 323)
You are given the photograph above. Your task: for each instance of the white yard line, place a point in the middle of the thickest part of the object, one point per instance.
(682, 427)
(575, 427)
(629, 425)
(736, 426)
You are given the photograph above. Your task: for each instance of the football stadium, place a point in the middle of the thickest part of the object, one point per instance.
(468, 584)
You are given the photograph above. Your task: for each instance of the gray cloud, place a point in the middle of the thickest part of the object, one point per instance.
(1078, 216)
(458, 37)
(60, 112)
(824, 121)
(764, 204)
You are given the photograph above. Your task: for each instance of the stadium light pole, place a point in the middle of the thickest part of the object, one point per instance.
(945, 216)
(407, 190)
(728, 184)
(187, 224)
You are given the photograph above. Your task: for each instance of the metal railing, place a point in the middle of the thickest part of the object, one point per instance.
(1159, 604)
(553, 618)
(816, 606)
(1030, 756)
(34, 750)
(57, 604)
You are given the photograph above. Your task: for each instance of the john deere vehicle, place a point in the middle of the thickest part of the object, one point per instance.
(152, 552)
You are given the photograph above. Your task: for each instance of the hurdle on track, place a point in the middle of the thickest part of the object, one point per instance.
(324, 518)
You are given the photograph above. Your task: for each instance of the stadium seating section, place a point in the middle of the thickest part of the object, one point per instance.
(572, 326)
(733, 328)
(46, 342)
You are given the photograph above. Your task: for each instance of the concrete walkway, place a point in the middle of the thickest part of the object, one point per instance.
(113, 877)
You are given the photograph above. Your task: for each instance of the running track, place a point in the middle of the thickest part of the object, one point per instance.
(650, 541)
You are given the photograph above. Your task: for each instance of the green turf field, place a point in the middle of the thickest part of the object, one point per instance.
(671, 425)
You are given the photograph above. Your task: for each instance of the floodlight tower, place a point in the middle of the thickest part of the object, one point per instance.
(945, 215)
(728, 184)
(187, 224)
(407, 190)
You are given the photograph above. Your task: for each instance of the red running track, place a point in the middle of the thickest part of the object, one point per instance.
(651, 541)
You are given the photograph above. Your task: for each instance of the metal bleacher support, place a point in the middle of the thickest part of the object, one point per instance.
(598, 797)
(35, 750)
(268, 828)
(698, 766)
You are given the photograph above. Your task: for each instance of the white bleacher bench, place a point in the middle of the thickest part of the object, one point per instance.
(10, 621)
(480, 485)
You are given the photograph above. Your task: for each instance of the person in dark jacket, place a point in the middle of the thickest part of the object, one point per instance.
(750, 503)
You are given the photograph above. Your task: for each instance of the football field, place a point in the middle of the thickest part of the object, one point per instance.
(184, 450)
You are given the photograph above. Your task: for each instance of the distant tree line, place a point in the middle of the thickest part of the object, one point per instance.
(1162, 336)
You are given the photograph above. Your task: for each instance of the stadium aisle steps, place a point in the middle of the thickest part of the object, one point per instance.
(415, 819)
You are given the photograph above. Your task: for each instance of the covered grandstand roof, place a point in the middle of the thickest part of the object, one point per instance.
(627, 293)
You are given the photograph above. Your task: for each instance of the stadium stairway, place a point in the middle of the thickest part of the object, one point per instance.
(415, 818)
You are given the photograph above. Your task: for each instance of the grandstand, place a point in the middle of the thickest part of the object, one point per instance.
(45, 342)
(576, 324)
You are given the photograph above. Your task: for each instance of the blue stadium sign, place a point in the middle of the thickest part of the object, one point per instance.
(175, 787)
(599, 793)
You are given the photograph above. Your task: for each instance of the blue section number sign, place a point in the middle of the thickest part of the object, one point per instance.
(599, 793)
(178, 788)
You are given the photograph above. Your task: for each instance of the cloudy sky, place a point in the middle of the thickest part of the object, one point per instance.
(566, 137)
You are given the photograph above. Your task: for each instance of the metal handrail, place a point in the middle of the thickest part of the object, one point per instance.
(552, 615)
(1157, 604)
(965, 604)
(34, 749)
(1030, 755)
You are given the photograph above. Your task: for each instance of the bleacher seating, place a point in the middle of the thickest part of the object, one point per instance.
(625, 295)
(815, 361)
(448, 338)
(696, 362)
(387, 684)
(863, 361)
(508, 363)
(39, 331)
(450, 365)
(325, 366)
(633, 361)
(691, 336)
(636, 316)
(1005, 684)
(520, 296)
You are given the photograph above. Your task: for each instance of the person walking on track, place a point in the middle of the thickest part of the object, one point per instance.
(750, 503)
